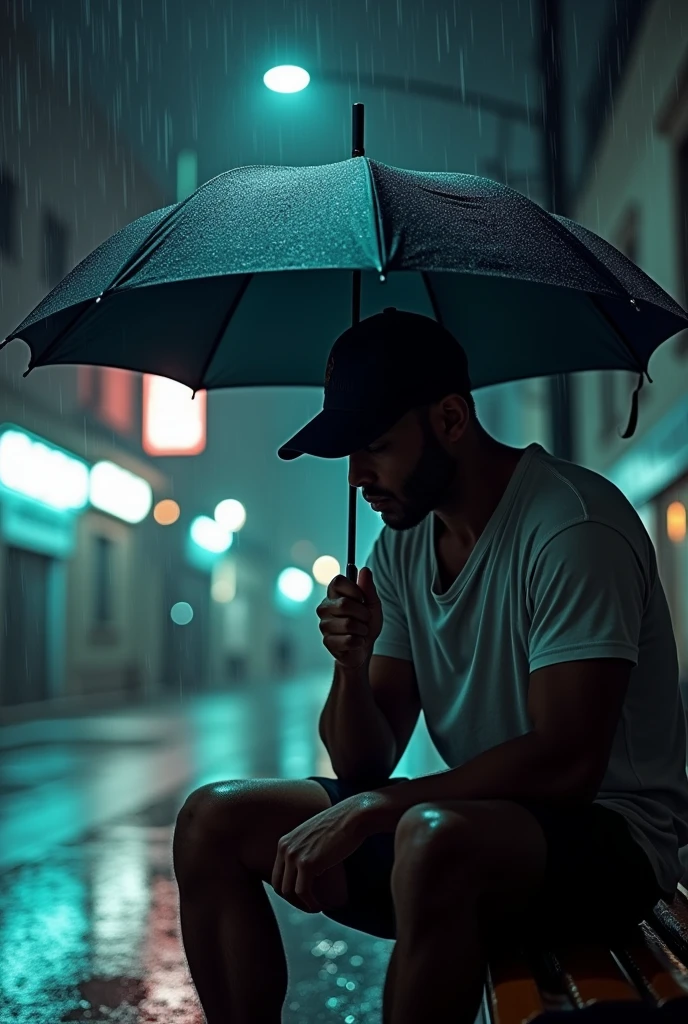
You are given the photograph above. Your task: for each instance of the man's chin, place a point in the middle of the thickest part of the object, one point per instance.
(400, 519)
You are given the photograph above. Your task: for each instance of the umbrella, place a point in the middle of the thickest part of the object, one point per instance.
(249, 280)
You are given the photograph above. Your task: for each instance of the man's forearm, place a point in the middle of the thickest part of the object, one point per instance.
(357, 735)
(521, 769)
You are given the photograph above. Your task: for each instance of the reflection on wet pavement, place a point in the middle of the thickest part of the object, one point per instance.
(89, 918)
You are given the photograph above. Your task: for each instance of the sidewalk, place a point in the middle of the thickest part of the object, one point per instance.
(88, 903)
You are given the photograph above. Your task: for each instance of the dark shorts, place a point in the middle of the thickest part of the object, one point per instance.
(598, 880)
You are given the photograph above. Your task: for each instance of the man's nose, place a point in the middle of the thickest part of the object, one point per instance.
(359, 472)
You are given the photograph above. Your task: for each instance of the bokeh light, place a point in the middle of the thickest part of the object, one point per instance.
(224, 581)
(166, 512)
(304, 553)
(231, 514)
(286, 78)
(295, 584)
(181, 613)
(222, 591)
(208, 534)
(325, 569)
(120, 493)
(676, 522)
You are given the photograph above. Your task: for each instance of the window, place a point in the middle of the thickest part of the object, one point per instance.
(102, 579)
(54, 250)
(8, 208)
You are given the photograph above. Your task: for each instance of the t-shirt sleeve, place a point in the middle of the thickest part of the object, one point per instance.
(586, 596)
(393, 641)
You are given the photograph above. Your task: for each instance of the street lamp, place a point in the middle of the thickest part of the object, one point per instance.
(286, 78)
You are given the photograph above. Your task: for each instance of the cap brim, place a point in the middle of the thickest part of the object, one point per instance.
(335, 433)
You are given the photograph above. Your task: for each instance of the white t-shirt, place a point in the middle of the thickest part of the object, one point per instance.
(563, 571)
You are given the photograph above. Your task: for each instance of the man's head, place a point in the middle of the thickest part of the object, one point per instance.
(417, 463)
(398, 403)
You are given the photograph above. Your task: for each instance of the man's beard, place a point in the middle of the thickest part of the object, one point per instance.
(430, 484)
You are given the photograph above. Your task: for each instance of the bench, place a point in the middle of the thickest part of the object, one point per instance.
(642, 976)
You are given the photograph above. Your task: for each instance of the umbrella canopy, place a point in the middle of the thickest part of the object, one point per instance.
(248, 281)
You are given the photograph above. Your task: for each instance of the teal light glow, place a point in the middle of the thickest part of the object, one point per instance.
(181, 613)
(231, 514)
(286, 78)
(295, 585)
(119, 492)
(41, 470)
(208, 534)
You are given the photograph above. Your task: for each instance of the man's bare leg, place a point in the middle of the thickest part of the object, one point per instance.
(225, 845)
(226, 931)
(390, 985)
(442, 964)
(449, 888)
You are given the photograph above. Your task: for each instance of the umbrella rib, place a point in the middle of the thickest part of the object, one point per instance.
(33, 363)
(590, 257)
(603, 313)
(223, 327)
(142, 246)
(379, 233)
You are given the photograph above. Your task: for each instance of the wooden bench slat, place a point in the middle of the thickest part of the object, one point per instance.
(643, 975)
(644, 964)
(513, 991)
(591, 975)
(670, 922)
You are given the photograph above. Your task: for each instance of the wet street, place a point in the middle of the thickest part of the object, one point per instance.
(88, 902)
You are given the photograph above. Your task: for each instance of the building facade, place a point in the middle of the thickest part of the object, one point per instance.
(81, 590)
(635, 194)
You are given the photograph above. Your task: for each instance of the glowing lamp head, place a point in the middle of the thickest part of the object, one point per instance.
(286, 78)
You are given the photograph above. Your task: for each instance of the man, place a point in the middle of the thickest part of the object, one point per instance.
(512, 597)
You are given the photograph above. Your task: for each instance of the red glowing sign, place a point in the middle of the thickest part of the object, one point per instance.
(173, 422)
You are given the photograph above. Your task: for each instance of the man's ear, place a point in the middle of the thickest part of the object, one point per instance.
(455, 417)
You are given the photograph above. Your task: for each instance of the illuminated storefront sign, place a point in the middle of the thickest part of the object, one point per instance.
(41, 471)
(119, 492)
(37, 527)
(42, 487)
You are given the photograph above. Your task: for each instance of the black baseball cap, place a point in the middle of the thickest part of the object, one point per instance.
(377, 371)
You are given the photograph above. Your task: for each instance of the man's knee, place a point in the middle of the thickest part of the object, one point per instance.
(494, 846)
(204, 827)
